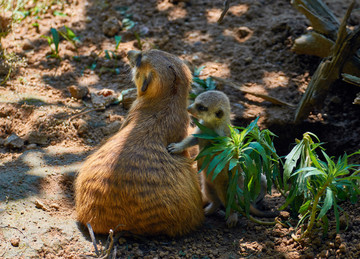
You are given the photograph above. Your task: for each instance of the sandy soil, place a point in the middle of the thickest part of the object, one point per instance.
(56, 131)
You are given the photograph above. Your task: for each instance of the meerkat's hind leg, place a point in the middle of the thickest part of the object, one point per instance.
(212, 207)
(232, 220)
(263, 189)
(211, 195)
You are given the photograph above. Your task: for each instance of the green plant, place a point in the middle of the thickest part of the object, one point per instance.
(117, 41)
(200, 85)
(127, 24)
(54, 39)
(139, 41)
(248, 153)
(316, 185)
(109, 54)
(70, 36)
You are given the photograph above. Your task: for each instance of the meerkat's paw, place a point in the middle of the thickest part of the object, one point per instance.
(175, 148)
(232, 220)
(211, 208)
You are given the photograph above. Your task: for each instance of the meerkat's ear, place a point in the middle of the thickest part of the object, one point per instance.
(146, 82)
(138, 60)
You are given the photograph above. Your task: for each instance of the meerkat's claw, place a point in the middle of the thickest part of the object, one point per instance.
(211, 208)
(232, 220)
(174, 148)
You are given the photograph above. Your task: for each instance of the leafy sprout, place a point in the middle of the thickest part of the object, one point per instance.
(200, 85)
(53, 39)
(117, 41)
(70, 36)
(316, 185)
(247, 153)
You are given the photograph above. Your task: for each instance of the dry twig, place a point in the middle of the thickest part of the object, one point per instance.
(226, 8)
(247, 91)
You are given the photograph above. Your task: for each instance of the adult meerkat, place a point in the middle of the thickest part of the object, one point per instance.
(132, 183)
(212, 108)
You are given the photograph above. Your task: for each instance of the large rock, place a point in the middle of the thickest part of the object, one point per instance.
(35, 137)
(14, 141)
(78, 91)
(111, 26)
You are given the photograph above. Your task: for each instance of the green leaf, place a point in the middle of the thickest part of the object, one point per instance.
(210, 84)
(93, 66)
(328, 202)
(198, 70)
(57, 13)
(231, 191)
(305, 207)
(56, 39)
(291, 161)
(117, 41)
(205, 130)
(226, 156)
(233, 163)
(107, 54)
(127, 24)
(215, 161)
(205, 136)
(204, 163)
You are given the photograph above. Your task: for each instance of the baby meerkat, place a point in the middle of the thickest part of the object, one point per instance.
(132, 183)
(212, 108)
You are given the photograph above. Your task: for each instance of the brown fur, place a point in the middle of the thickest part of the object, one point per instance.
(213, 110)
(132, 182)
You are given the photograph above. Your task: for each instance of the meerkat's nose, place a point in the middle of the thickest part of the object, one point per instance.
(133, 57)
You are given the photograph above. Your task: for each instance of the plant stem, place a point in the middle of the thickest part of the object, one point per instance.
(313, 210)
(265, 223)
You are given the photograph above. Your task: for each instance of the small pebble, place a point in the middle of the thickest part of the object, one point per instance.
(15, 242)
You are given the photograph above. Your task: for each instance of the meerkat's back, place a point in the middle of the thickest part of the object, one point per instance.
(132, 182)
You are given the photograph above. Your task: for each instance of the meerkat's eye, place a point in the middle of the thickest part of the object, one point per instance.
(219, 114)
(201, 108)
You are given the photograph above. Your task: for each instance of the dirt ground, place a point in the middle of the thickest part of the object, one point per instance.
(56, 133)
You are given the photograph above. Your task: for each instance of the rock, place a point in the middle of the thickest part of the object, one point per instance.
(82, 127)
(27, 45)
(342, 248)
(111, 26)
(128, 97)
(103, 98)
(344, 222)
(14, 142)
(40, 205)
(111, 128)
(284, 215)
(55, 206)
(78, 91)
(36, 137)
(122, 241)
(15, 241)
(31, 146)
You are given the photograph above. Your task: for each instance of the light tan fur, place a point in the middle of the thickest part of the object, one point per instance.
(132, 182)
(212, 108)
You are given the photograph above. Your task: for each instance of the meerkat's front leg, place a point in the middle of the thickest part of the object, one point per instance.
(176, 148)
